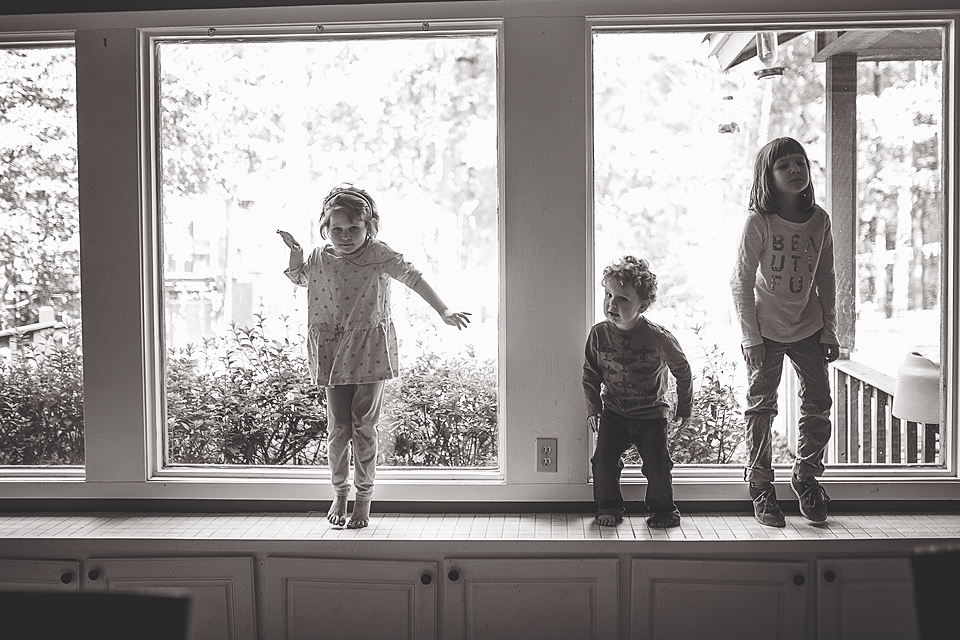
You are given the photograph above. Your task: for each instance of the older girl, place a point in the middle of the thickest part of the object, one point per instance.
(784, 291)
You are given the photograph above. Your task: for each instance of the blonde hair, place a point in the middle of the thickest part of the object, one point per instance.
(355, 203)
(635, 272)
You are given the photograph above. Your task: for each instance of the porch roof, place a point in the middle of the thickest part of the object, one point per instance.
(874, 45)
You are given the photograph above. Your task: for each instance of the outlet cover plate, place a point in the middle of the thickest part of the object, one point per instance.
(547, 455)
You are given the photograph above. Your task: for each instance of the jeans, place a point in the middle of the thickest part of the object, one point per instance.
(353, 414)
(815, 402)
(617, 434)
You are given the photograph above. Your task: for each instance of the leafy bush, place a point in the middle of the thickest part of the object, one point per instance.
(41, 403)
(244, 399)
(442, 413)
(716, 431)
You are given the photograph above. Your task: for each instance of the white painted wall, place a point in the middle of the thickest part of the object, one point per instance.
(545, 219)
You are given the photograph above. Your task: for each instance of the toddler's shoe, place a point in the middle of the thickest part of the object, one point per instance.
(813, 499)
(765, 507)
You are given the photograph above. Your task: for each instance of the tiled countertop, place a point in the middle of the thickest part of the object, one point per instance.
(460, 526)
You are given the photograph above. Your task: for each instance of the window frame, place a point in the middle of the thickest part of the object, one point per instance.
(153, 302)
(949, 297)
(544, 52)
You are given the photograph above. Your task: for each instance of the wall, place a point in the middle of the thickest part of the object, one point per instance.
(545, 217)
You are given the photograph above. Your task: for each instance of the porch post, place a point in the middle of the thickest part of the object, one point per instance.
(841, 187)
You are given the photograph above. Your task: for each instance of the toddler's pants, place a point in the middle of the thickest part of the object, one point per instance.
(815, 402)
(617, 434)
(353, 414)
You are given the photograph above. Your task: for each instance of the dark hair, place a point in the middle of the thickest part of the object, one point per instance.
(635, 272)
(763, 195)
(356, 203)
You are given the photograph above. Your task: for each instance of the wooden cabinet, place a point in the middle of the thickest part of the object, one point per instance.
(531, 598)
(39, 575)
(438, 594)
(221, 590)
(316, 598)
(866, 598)
(680, 599)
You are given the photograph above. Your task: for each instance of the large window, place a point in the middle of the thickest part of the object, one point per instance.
(41, 381)
(679, 118)
(253, 134)
(513, 150)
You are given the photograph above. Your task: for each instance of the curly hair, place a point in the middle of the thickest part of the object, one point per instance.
(636, 272)
(355, 203)
(763, 195)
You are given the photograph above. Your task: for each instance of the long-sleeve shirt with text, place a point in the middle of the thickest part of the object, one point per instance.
(783, 282)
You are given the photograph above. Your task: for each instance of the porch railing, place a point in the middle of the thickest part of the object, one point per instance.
(865, 430)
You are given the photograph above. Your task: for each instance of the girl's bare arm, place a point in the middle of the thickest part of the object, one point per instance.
(458, 319)
(296, 250)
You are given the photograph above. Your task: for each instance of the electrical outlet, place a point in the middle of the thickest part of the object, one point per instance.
(547, 454)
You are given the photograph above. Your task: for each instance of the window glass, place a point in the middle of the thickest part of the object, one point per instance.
(678, 120)
(253, 135)
(41, 379)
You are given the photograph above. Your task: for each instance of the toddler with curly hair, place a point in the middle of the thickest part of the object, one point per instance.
(625, 381)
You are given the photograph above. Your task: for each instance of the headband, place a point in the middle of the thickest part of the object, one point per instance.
(352, 191)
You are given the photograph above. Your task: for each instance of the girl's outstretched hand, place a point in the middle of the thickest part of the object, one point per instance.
(289, 240)
(458, 319)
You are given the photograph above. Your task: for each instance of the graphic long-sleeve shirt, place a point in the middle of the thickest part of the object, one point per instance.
(350, 334)
(783, 283)
(626, 371)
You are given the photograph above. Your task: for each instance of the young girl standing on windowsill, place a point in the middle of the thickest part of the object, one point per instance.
(351, 342)
(784, 291)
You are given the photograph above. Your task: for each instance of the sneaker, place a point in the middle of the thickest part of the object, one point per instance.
(813, 499)
(765, 506)
(664, 519)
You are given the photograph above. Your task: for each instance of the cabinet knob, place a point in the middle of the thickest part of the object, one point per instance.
(93, 574)
(829, 576)
(66, 578)
(426, 579)
(454, 575)
(799, 580)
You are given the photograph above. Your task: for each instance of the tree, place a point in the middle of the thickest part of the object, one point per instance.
(39, 241)
(669, 185)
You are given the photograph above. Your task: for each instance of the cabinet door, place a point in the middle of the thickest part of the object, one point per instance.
(39, 575)
(221, 590)
(531, 598)
(315, 598)
(680, 599)
(866, 598)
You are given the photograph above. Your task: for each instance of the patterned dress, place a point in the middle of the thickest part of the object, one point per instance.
(350, 334)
